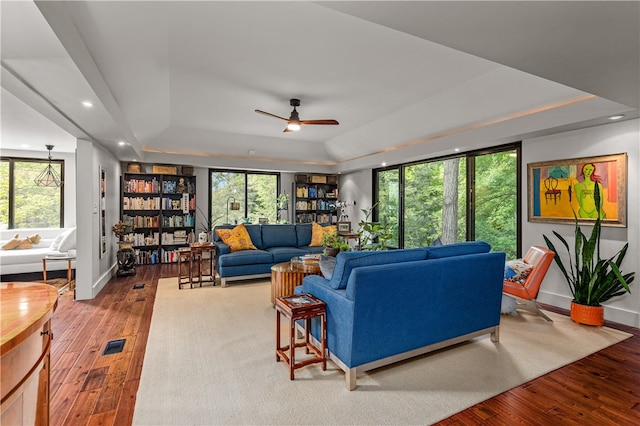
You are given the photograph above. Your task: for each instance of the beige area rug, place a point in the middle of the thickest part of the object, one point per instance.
(210, 359)
(61, 284)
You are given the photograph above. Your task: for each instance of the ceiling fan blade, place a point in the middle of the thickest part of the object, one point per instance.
(271, 115)
(330, 122)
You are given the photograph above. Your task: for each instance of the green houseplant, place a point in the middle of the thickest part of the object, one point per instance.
(591, 279)
(333, 243)
(373, 235)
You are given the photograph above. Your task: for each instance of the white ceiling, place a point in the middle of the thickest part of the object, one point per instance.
(179, 81)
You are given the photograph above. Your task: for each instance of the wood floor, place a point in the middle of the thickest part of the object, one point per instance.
(88, 388)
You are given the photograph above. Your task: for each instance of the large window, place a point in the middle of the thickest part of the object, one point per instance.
(22, 203)
(243, 197)
(467, 197)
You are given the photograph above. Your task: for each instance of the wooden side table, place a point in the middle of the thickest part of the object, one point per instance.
(301, 307)
(69, 259)
(286, 276)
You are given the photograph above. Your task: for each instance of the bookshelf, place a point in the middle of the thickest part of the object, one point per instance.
(162, 210)
(314, 198)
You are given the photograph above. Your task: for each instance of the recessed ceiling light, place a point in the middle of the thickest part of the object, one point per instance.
(87, 104)
(616, 117)
(383, 164)
(456, 149)
(122, 143)
(24, 145)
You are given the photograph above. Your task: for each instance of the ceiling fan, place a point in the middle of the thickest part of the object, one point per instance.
(294, 122)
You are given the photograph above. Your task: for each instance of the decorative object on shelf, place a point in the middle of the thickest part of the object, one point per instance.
(49, 177)
(591, 279)
(234, 205)
(373, 235)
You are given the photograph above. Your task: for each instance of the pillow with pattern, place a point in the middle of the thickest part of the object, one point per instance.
(517, 271)
(237, 239)
(317, 231)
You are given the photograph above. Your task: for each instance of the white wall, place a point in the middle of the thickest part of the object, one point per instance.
(602, 140)
(356, 186)
(92, 272)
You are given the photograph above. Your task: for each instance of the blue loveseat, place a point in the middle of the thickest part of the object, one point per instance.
(274, 243)
(384, 307)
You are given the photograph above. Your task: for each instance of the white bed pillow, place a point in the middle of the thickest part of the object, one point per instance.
(68, 241)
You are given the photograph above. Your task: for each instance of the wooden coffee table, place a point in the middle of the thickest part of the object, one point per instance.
(286, 276)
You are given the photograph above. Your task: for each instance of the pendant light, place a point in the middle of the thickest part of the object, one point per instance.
(49, 176)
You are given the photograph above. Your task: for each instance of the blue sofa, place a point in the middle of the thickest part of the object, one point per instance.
(384, 307)
(274, 243)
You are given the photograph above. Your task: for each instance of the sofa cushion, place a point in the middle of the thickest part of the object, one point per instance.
(318, 231)
(327, 265)
(237, 239)
(303, 232)
(284, 254)
(279, 236)
(55, 244)
(457, 249)
(245, 257)
(346, 261)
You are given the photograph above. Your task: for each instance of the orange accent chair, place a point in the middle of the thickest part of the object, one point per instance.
(527, 292)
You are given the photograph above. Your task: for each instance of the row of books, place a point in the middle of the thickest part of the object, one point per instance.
(178, 220)
(179, 237)
(186, 203)
(142, 221)
(315, 205)
(315, 192)
(140, 239)
(315, 217)
(178, 187)
(142, 185)
(140, 203)
(147, 257)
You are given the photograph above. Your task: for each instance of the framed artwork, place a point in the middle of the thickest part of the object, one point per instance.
(344, 226)
(557, 189)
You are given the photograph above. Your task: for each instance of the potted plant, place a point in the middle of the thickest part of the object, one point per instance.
(333, 243)
(120, 229)
(591, 279)
(373, 235)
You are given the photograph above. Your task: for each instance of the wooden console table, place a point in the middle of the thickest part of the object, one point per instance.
(25, 336)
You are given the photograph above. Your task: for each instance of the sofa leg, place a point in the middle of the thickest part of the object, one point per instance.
(350, 376)
(495, 334)
(223, 282)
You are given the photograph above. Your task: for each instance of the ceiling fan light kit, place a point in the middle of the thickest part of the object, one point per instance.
(293, 122)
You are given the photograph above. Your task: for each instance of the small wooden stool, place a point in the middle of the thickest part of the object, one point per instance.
(301, 307)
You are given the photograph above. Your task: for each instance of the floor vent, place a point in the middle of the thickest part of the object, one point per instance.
(138, 286)
(114, 347)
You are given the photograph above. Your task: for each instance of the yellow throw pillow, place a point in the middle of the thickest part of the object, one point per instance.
(237, 238)
(317, 231)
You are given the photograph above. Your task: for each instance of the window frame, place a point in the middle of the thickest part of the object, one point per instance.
(470, 157)
(11, 207)
(244, 172)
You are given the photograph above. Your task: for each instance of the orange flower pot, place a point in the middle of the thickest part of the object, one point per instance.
(588, 315)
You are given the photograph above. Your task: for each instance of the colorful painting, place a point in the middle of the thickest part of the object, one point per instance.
(558, 189)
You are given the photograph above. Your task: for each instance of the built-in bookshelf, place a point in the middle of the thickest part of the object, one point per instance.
(314, 198)
(162, 211)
